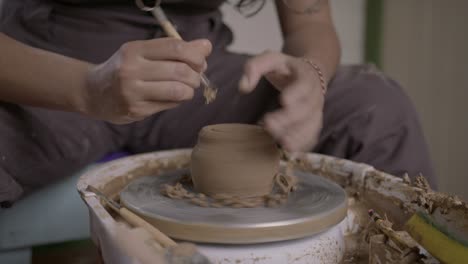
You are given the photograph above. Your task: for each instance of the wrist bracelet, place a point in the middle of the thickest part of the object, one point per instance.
(319, 73)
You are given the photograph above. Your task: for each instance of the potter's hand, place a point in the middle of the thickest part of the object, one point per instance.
(297, 124)
(145, 77)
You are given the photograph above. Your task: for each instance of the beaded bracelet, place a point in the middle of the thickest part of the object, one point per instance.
(319, 73)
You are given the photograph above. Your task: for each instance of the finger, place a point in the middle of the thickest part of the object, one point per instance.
(281, 120)
(292, 136)
(155, 107)
(290, 115)
(274, 125)
(169, 71)
(143, 109)
(298, 92)
(303, 136)
(193, 53)
(166, 91)
(256, 67)
(204, 45)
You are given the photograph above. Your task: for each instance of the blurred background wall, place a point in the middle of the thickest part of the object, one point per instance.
(425, 47)
(262, 32)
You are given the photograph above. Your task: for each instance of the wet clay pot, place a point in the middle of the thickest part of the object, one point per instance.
(234, 159)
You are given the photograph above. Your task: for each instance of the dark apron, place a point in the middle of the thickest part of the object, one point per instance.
(94, 30)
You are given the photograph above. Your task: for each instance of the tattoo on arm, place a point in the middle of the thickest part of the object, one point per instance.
(312, 8)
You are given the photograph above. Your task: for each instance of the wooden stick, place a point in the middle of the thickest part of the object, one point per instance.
(137, 221)
(170, 30)
(209, 92)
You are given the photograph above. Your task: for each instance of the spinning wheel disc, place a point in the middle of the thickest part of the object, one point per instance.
(315, 206)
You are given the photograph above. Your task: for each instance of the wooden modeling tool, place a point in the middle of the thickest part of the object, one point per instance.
(209, 92)
(134, 219)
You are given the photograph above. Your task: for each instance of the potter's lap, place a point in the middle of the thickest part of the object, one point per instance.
(358, 87)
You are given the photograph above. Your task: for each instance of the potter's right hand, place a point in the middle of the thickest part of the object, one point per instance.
(145, 77)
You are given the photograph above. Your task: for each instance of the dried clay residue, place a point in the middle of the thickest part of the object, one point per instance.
(209, 93)
(284, 185)
(425, 197)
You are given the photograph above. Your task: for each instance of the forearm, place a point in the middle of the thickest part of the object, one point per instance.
(34, 77)
(317, 42)
(310, 34)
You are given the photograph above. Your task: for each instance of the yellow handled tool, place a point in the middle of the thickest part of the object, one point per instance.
(441, 246)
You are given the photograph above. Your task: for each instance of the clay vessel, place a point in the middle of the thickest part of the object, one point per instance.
(234, 159)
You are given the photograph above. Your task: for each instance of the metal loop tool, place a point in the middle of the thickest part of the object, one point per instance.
(140, 4)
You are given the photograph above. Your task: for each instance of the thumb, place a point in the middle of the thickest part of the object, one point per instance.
(258, 66)
(204, 45)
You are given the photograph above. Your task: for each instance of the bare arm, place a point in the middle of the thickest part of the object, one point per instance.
(310, 35)
(297, 124)
(140, 79)
(35, 77)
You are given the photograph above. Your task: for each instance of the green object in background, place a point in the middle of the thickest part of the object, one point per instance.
(373, 38)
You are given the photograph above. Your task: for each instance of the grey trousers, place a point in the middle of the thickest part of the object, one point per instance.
(367, 116)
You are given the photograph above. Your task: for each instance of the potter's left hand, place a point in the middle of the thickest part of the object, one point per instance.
(297, 124)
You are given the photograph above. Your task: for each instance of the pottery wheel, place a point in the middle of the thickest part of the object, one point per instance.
(315, 206)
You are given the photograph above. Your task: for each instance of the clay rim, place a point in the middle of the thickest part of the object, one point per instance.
(225, 133)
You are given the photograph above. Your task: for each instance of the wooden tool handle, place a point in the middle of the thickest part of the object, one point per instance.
(170, 30)
(140, 244)
(137, 221)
